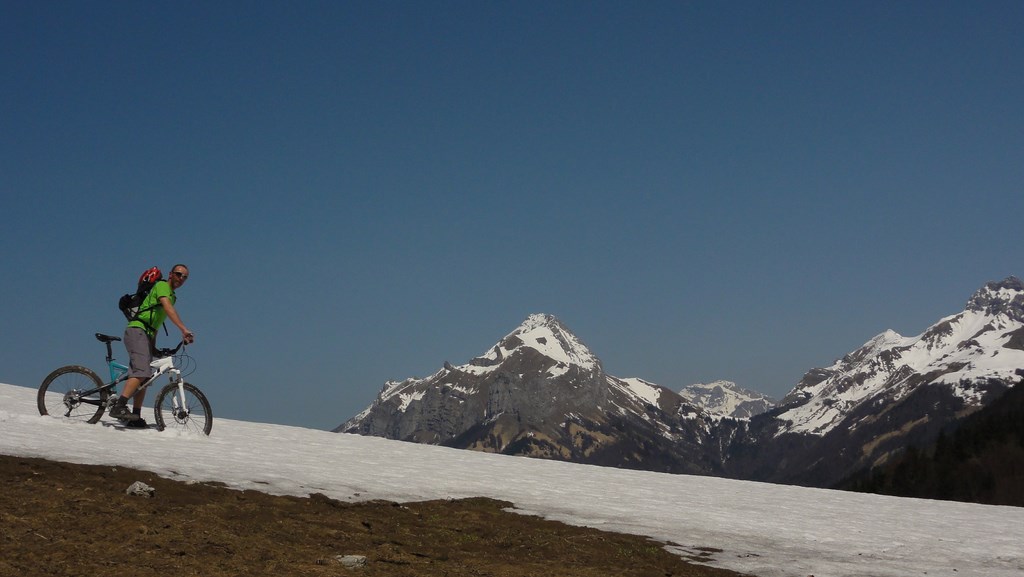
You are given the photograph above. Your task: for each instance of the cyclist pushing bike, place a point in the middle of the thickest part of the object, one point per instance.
(140, 341)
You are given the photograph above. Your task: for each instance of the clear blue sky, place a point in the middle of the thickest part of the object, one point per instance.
(363, 190)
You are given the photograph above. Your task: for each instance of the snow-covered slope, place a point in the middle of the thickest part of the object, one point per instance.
(761, 529)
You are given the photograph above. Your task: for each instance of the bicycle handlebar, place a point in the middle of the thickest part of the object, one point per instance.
(170, 352)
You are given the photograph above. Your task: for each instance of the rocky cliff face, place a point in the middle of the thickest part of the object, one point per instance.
(541, 392)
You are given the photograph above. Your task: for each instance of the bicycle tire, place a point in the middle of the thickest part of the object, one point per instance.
(56, 395)
(195, 416)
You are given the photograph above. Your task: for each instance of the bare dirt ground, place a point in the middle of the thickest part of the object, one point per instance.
(76, 520)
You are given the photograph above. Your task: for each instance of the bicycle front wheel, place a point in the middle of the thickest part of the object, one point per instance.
(62, 394)
(184, 409)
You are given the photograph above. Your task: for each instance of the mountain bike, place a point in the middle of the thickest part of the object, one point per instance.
(77, 393)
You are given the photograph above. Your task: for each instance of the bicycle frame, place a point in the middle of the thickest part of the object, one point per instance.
(119, 374)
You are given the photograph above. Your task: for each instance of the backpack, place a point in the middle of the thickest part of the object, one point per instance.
(130, 303)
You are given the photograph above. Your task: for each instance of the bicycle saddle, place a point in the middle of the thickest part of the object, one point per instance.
(106, 338)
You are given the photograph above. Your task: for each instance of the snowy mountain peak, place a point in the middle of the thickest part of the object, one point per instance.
(546, 335)
(1003, 297)
(727, 399)
(972, 354)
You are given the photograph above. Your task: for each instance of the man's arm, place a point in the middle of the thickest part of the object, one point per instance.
(172, 314)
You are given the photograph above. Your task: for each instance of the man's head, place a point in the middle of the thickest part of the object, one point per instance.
(178, 276)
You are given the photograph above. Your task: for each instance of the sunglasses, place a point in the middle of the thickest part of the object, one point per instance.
(180, 275)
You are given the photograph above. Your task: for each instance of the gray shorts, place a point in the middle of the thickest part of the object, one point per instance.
(140, 352)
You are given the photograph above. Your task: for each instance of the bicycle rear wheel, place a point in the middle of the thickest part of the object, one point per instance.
(191, 413)
(60, 394)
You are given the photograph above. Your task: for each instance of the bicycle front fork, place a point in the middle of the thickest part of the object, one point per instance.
(178, 406)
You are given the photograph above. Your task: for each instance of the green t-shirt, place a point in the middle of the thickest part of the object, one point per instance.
(153, 314)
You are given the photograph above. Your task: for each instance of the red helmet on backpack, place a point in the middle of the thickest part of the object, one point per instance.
(151, 276)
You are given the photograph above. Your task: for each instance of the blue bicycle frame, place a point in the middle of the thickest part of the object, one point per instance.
(118, 371)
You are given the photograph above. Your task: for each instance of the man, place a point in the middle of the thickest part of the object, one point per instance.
(140, 340)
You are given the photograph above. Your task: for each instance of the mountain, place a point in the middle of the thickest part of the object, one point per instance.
(963, 352)
(541, 392)
(892, 392)
(727, 399)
